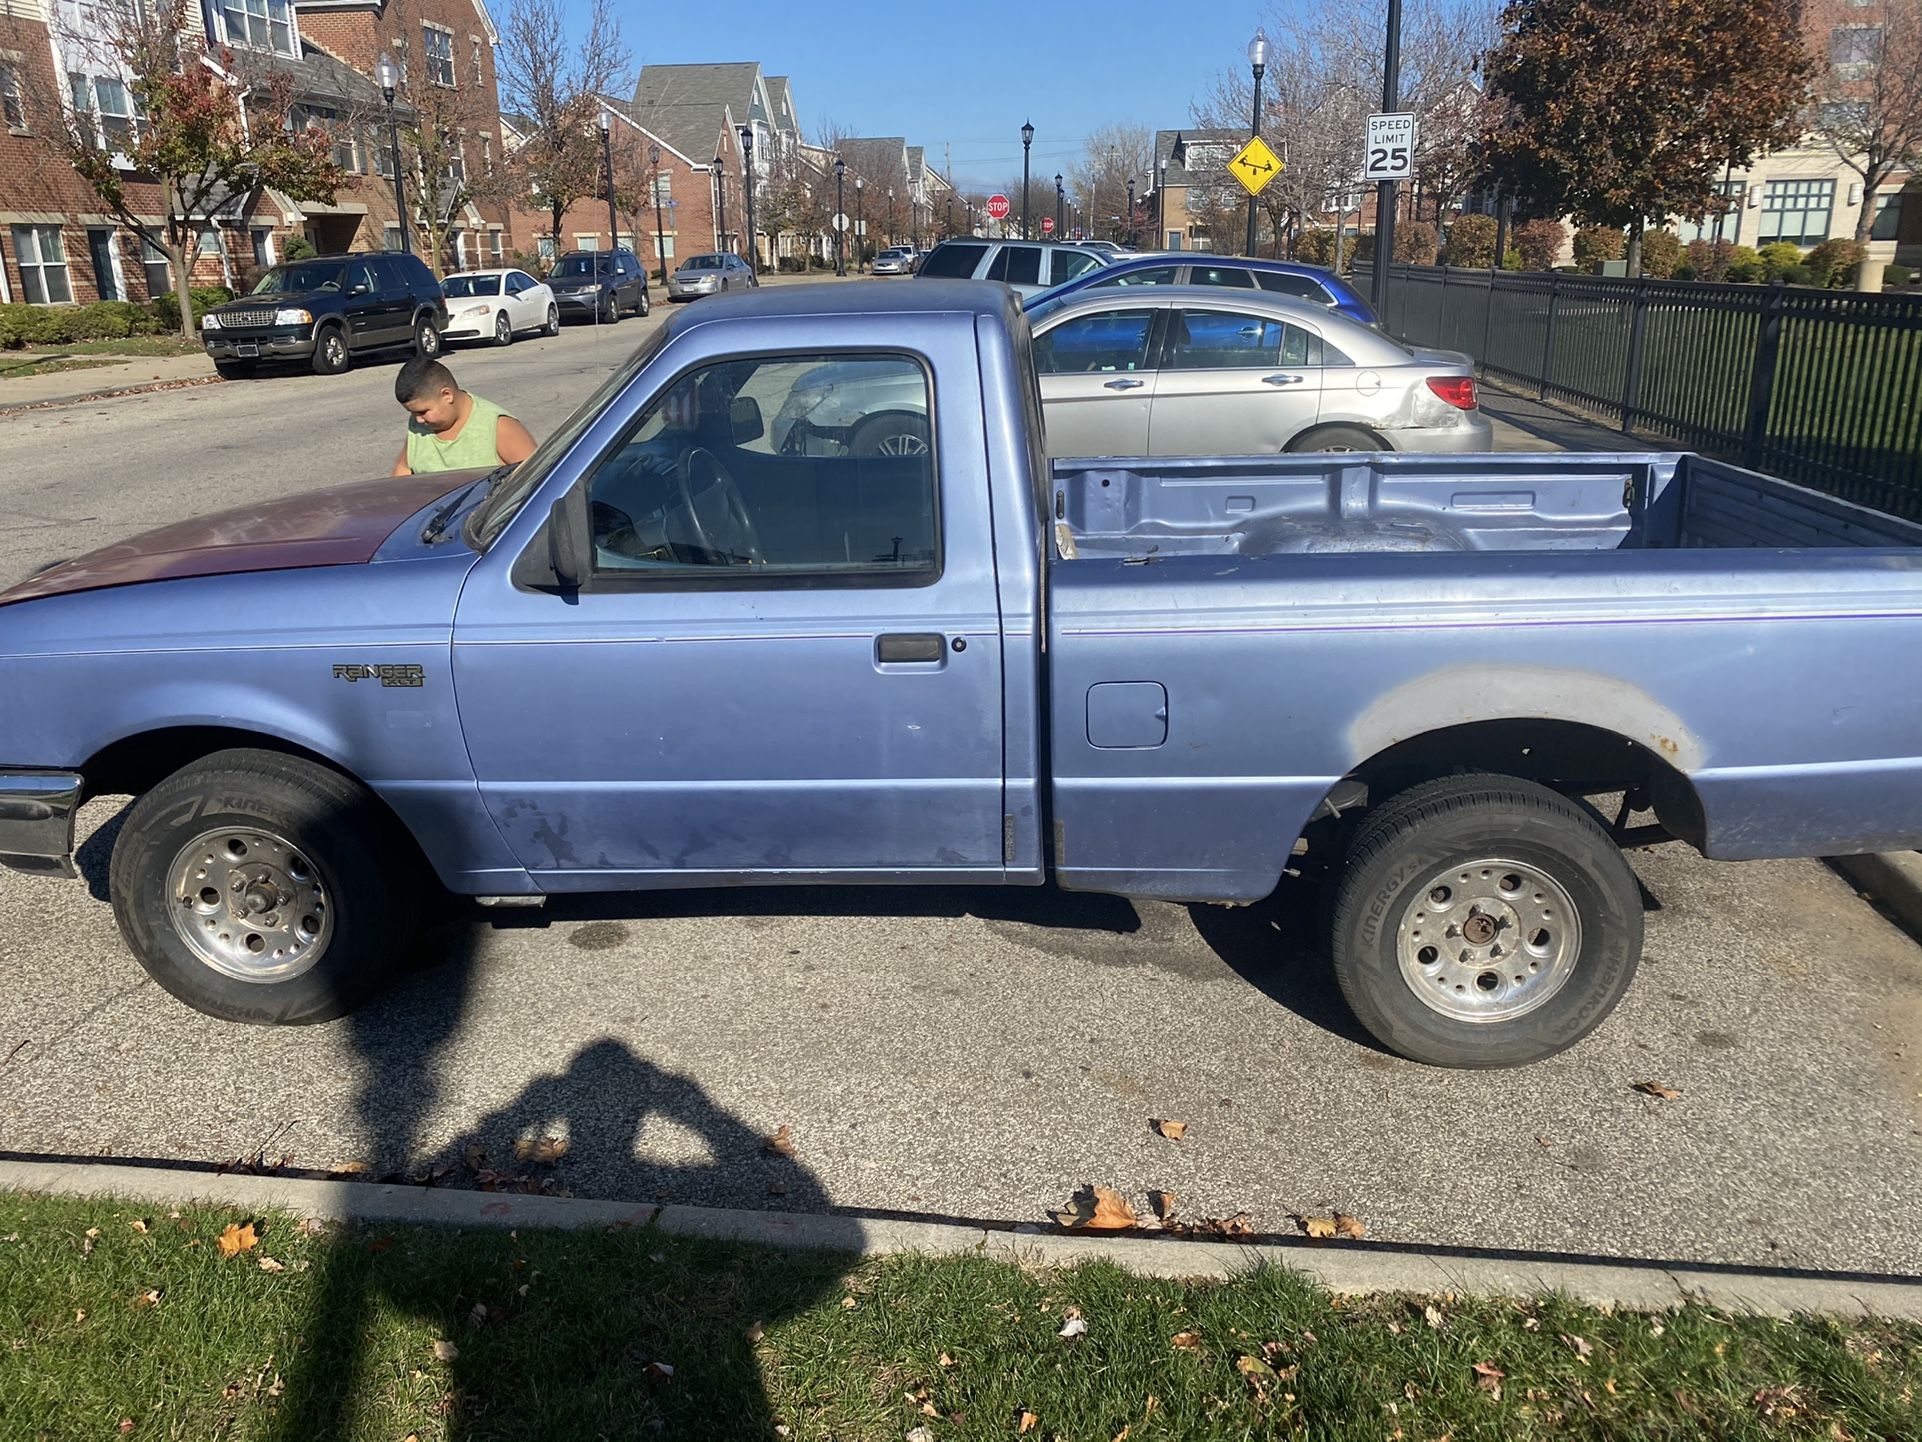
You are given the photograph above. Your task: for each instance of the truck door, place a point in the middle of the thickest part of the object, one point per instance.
(785, 660)
(1233, 384)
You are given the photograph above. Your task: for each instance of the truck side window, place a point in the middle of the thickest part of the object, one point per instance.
(790, 466)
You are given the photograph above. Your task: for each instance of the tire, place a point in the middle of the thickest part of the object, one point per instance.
(1337, 438)
(330, 352)
(611, 311)
(1420, 869)
(643, 307)
(891, 434)
(235, 370)
(426, 338)
(553, 326)
(325, 848)
(503, 329)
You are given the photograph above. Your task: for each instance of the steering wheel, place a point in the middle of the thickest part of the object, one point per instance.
(746, 540)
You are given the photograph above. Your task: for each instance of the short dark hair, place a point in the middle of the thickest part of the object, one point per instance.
(422, 376)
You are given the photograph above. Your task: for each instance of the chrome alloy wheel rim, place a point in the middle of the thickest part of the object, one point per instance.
(249, 905)
(1488, 940)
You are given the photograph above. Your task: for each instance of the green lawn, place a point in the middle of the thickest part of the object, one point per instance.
(82, 355)
(121, 1320)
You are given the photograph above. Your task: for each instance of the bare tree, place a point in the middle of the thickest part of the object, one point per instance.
(555, 91)
(1868, 99)
(1110, 157)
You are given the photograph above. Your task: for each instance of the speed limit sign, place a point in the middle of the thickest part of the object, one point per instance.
(1390, 153)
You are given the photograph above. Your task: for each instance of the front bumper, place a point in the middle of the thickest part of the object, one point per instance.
(469, 327)
(580, 302)
(690, 290)
(291, 341)
(37, 810)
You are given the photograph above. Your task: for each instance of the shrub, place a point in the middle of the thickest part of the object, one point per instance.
(1833, 262)
(1540, 241)
(22, 325)
(1597, 243)
(1415, 243)
(167, 307)
(1709, 259)
(1777, 256)
(1745, 265)
(1684, 271)
(1897, 275)
(1471, 240)
(103, 320)
(1511, 259)
(1661, 253)
(1316, 246)
(1363, 253)
(297, 247)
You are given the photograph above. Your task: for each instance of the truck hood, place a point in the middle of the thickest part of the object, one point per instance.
(342, 526)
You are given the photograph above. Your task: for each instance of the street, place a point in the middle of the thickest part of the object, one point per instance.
(950, 1052)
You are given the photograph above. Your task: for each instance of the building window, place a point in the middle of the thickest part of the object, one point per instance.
(327, 121)
(390, 238)
(380, 151)
(454, 172)
(106, 282)
(210, 243)
(1174, 240)
(479, 78)
(494, 245)
(43, 264)
(1796, 211)
(438, 46)
(544, 248)
(587, 242)
(1888, 217)
(663, 188)
(487, 154)
(263, 248)
(153, 260)
(1855, 44)
(1729, 220)
(12, 110)
(260, 24)
(107, 100)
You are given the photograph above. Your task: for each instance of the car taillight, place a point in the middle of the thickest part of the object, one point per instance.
(1458, 391)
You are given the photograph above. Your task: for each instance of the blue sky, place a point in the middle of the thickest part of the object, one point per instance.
(969, 73)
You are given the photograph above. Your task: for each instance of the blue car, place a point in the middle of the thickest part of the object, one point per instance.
(1281, 277)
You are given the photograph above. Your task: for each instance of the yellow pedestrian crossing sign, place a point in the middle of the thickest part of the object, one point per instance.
(1255, 165)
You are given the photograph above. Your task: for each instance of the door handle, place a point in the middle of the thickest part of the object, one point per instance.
(1281, 380)
(924, 647)
(1124, 385)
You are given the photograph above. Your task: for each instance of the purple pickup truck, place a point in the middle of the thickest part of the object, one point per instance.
(670, 650)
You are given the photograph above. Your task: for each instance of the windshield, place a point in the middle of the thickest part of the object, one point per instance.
(579, 265)
(701, 262)
(490, 518)
(457, 286)
(299, 279)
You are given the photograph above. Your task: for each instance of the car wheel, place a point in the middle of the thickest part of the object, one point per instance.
(610, 310)
(262, 888)
(645, 306)
(1484, 921)
(426, 338)
(1337, 438)
(503, 329)
(235, 370)
(553, 320)
(891, 435)
(330, 352)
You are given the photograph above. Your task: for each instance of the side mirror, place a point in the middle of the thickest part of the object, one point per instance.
(359, 287)
(567, 538)
(744, 417)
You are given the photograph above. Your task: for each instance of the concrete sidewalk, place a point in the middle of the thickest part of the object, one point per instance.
(1523, 423)
(135, 373)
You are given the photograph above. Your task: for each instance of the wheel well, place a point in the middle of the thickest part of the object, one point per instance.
(1567, 756)
(1302, 441)
(136, 764)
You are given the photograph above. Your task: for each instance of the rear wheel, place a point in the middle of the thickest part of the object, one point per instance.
(1484, 921)
(426, 338)
(1337, 438)
(330, 352)
(553, 326)
(892, 435)
(263, 888)
(503, 329)
(643, 306)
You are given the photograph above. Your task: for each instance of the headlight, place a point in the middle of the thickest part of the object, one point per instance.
(477, 310)
(210, 322)
(293, 317)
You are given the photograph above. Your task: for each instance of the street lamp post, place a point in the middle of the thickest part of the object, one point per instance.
(720, 204)
(660, 230)
(860, 223)
(1161, 203)
(840, 217)
(387, 75)
(893, 235)
(607, 179)
(1060, 209)
(747, 173)
(1258, 59)
(1385, 196)
(1131, 210)
(1027, 140)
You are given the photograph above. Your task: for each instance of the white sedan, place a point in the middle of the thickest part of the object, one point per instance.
(497, 305)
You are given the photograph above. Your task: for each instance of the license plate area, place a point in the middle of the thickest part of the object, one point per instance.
(247, 348)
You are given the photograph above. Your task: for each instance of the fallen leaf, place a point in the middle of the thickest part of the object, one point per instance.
(1349, 1227)
(781, 1144)
(1656, 1089)
(1316, 1226)
(347, 1169)
(1580, 1346)
(310, 1226)
(268, 1264)
(755, 1331)
(928, 1409)
(79, 1315)
(445, 1351)
(1186, 1341)
(848, 1304)
(87, 1242)
(1257, 1373)
(542, 1151)
(126, 1425)
(1122, 1435)
(1098, 1209)
(919, 1434)
(1172, 1130)
(1488, 1377)
(1164, 1206)
(1073, 1328)
(148, 1298)
(139, 1224)
(1431, 1314)
(660, 1371)
(1028, 1421)
(237, 1239)
(1655, 1329)
(1531, 1324)
(946, 1360)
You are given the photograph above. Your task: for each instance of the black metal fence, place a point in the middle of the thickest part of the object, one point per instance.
(1820, 387)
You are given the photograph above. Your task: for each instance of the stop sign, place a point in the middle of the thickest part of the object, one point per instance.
(998, 207)
(1047, 225)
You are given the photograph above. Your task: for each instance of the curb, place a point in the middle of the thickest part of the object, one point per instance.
(1894, 879)
(1348, 1269)
(146, 388)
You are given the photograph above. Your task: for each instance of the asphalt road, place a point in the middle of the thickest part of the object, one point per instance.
(954, 1052)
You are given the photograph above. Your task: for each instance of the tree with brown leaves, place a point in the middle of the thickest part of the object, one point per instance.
(1868, 98)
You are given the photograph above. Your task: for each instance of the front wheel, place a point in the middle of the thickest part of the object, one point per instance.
(503, 329)
(1484, 921)
(553, 326)
(330, 352)
(261, 888)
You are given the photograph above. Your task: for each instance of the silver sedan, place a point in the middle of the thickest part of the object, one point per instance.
(1196, 371)
(709, 274)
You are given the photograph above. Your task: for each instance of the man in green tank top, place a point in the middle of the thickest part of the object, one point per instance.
(449, 429)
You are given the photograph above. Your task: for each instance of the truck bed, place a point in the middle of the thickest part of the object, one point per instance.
(1313, 504)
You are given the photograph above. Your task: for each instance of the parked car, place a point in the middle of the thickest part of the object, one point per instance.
(498, 305)
(709, 274)
(1278, 277)
(1030, 266)
(1183, 371)
(329, 310)
(895, 260)
(660, 653)
(599, 285)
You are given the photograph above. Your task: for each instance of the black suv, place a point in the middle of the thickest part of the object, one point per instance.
(327, 310)
(598, 284)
